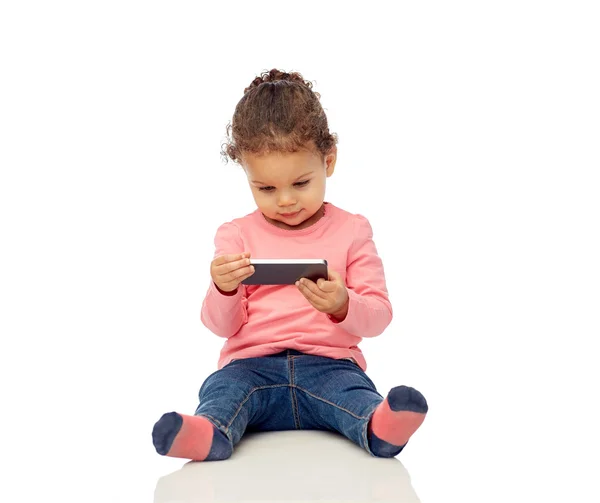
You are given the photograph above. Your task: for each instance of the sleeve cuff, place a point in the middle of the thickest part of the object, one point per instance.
(352, 299)
(226, 302)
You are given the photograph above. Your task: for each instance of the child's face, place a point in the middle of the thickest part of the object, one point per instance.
(288, 189)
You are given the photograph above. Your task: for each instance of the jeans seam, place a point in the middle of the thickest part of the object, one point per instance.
(366, 429)
(293, 387)
(293, 393)
(331, 403)
(248, 397)
(218, 425)
(366, 423)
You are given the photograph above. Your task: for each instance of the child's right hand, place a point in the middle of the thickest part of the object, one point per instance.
(228, 271)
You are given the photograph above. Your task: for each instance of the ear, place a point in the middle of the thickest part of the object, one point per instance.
(330, 160)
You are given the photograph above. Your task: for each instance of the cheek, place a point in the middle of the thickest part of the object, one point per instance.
(263, 200)
(318, 189)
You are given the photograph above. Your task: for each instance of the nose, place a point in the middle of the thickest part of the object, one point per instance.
(286, 199)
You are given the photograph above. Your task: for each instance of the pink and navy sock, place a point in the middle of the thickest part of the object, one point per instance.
(395, 420)
(190, 437)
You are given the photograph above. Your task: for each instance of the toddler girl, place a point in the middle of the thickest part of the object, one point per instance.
(290, 358)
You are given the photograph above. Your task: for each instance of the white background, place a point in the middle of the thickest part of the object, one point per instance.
(468, 136)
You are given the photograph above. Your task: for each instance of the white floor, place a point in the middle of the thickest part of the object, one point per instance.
(291, 466)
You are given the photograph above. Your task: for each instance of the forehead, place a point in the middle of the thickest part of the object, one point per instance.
(279, 165)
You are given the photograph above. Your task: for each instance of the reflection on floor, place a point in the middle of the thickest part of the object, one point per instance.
(290, 466)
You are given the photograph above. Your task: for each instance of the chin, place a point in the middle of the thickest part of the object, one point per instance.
(291, 222)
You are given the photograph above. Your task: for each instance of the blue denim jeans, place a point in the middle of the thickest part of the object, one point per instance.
(290, 390)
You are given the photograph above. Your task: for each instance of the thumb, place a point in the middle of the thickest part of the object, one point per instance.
(334, 276)
(326, 286)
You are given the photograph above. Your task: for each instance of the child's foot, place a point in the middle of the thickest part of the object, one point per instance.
(190, 437)
(395, 420)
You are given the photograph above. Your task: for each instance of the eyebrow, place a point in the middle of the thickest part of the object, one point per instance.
(301, 176)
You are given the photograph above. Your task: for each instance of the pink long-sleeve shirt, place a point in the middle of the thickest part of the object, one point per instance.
(259, 320)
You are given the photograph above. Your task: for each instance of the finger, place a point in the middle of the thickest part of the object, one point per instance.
(230, 267)
(313, 288)
(326, 286)
(233, 284)
(310, 297)
(237, 275)
(247, 275)
(309, 286)
(225, 259)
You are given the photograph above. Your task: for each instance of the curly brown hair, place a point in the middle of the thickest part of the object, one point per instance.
(279, 112)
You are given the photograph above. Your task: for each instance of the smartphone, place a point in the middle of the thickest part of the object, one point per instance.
(286, 271)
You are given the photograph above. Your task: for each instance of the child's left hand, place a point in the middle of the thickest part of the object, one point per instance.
(329, 297)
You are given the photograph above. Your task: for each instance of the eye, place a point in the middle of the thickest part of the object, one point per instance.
(297, 184)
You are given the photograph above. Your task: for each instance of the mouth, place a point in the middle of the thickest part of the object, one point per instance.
(289, 215)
